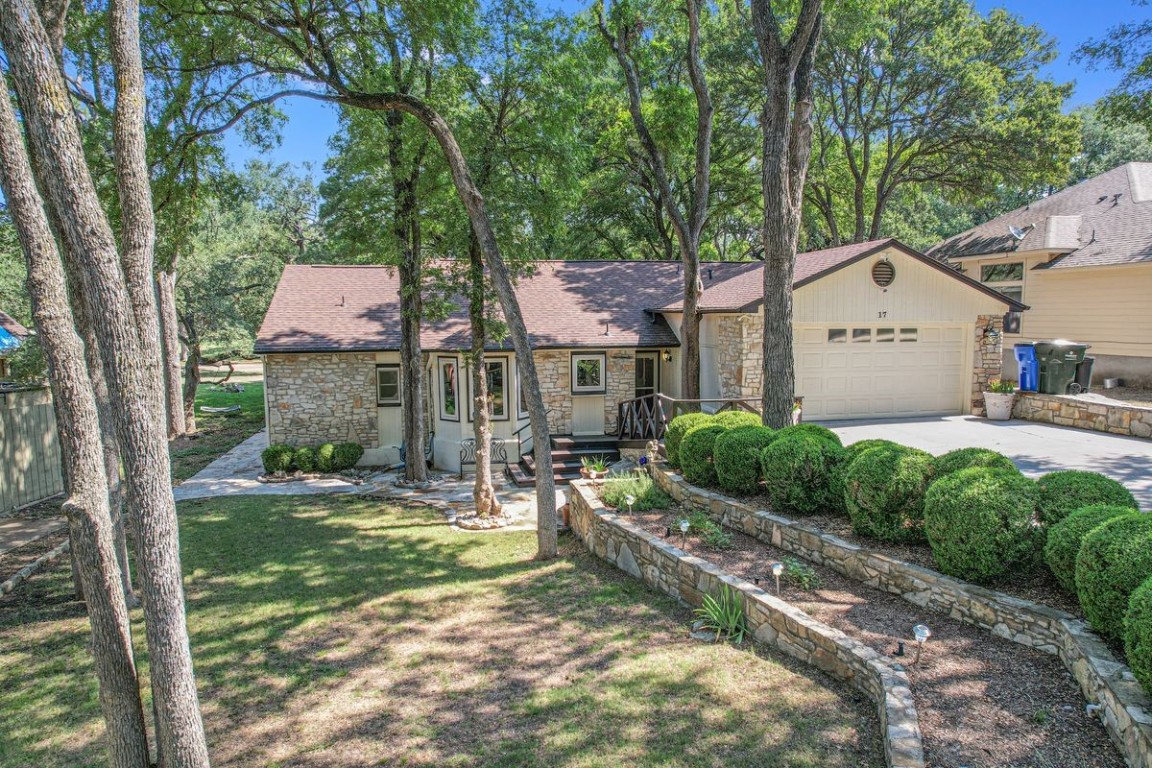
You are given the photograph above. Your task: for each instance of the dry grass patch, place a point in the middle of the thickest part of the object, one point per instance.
(344, 632)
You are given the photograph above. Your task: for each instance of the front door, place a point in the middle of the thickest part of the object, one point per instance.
(647, 373)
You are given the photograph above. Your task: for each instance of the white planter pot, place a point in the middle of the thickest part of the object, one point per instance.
(998, 405)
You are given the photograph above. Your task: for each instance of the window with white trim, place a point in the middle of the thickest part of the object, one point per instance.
(1007, 278)
(388, 385)
(448, 376)
(588, 374)
(496, 373)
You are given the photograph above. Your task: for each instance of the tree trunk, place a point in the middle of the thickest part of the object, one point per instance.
(89, 518)
(786, 126)
(483, 493)
(191, 373)
(170, 346)
(129, 333)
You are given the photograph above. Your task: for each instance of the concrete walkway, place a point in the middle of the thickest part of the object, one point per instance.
(1036, 448)
(16, 532)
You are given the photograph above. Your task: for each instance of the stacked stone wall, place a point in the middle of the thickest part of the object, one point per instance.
(1066, 411)
(1125, 707)
(620, 384)
(989, 357)
(772, 621)
(317, 398)
(740, 355)
(554, 370)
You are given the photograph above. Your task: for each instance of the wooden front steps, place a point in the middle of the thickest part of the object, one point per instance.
(568, 451)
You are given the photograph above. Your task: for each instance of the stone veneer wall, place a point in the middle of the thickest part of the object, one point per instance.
(1130, 420)
(316, 398)
(620, 384)
(555, 373)
(740, 355)
(1125, 707)
(772, 621)
(989, 358)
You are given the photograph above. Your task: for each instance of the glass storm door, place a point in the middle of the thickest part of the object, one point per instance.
(646, 374)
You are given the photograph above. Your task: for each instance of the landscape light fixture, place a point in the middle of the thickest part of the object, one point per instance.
(629, 500)
(921, 632)
(777, 571)
(684, 525)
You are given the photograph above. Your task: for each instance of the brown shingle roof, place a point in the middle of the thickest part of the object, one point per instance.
(13, 327)
(565, 304)
(1103, 221)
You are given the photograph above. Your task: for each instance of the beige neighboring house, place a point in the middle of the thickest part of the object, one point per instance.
(880, 331)
(1081, 259)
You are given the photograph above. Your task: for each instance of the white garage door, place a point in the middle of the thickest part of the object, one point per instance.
(849, 372)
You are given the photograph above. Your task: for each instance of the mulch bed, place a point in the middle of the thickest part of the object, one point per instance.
(982, 701)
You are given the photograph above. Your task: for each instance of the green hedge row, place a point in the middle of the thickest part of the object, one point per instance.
(329, 457)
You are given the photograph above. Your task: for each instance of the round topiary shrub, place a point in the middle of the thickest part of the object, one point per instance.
(1138, 634)
(277, 458)
(696, 454)
(802, 474)
(325, 457)
(733, 419)
(346, 455)
(304, 459)
(736, 457)
(964, 458)
(1066, 537)
(1062, 493)
(981, 525)
(857, 448)
(884, 491)
(812, 430)
(1115, 558)
(679, 427)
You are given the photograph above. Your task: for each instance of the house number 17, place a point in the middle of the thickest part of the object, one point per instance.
(881, 315)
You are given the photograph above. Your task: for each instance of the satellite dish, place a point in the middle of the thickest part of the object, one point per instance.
(1017, 232)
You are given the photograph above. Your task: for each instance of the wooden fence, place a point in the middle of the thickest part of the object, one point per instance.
(29, 448)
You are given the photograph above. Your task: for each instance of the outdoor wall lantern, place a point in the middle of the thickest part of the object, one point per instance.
(991, 333)
(666, 355)
(921, 632)
(777, 571)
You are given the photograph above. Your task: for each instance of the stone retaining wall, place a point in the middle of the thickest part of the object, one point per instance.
(772, 621)
(1125, 708)
(1065, 411)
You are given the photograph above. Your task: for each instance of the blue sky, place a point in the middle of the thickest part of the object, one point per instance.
(311, 124)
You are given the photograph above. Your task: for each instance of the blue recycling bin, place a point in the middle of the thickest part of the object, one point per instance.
(1029, 365)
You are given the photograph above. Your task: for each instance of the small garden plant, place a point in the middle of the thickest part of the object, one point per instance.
(679, 427)
(801, 574)
(1062, 493)
(696, 454)
(1066, 537)
(709, 531)
(282, 459)
(1001, 386)
(646, 496)
(736, 456)
(724, 616)
(802, 473)
(1114, 560)
(884, 492)
(965, 458)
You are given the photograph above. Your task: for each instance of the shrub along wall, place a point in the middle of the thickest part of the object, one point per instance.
(1125, 707)
(772, 621)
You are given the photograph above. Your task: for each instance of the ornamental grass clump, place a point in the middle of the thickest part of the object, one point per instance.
(802, 474)
(1115, 559)
(1063, 492)
(884, 491)
(1067, 536)
(724, 616)
(965, 458)
(981, 524)
(696, 457)
(1138, 634)
(736, 457)
(645, 495)
(276, 458)
(679, 427)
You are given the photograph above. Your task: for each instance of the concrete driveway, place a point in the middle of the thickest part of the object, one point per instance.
(1036, 448)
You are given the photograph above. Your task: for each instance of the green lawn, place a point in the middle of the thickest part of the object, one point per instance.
(218, 433)
(335, 631)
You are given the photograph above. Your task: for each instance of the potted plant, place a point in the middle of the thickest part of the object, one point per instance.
(998, 399)
(593, 467)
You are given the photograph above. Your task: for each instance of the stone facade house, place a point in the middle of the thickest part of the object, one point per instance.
(1081, 259)
(880, 331)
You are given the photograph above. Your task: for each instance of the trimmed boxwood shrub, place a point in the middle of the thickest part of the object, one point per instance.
(733, 419)
(346, 455)
(696, 454)
(802, 474)
(811, 430)
(277, 458)
(325, 457)
(1138, 634)
(1062, 493)
(884, 491)
(857, 448)
(736, 457)
(304, 459)
(980, 523)
(964, 458)
(679, 427)
(1065, 538)
(1115, 558)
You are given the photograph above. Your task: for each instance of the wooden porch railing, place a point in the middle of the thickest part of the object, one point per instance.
(646, 418)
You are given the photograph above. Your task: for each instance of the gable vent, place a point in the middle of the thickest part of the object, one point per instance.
(883, 273)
